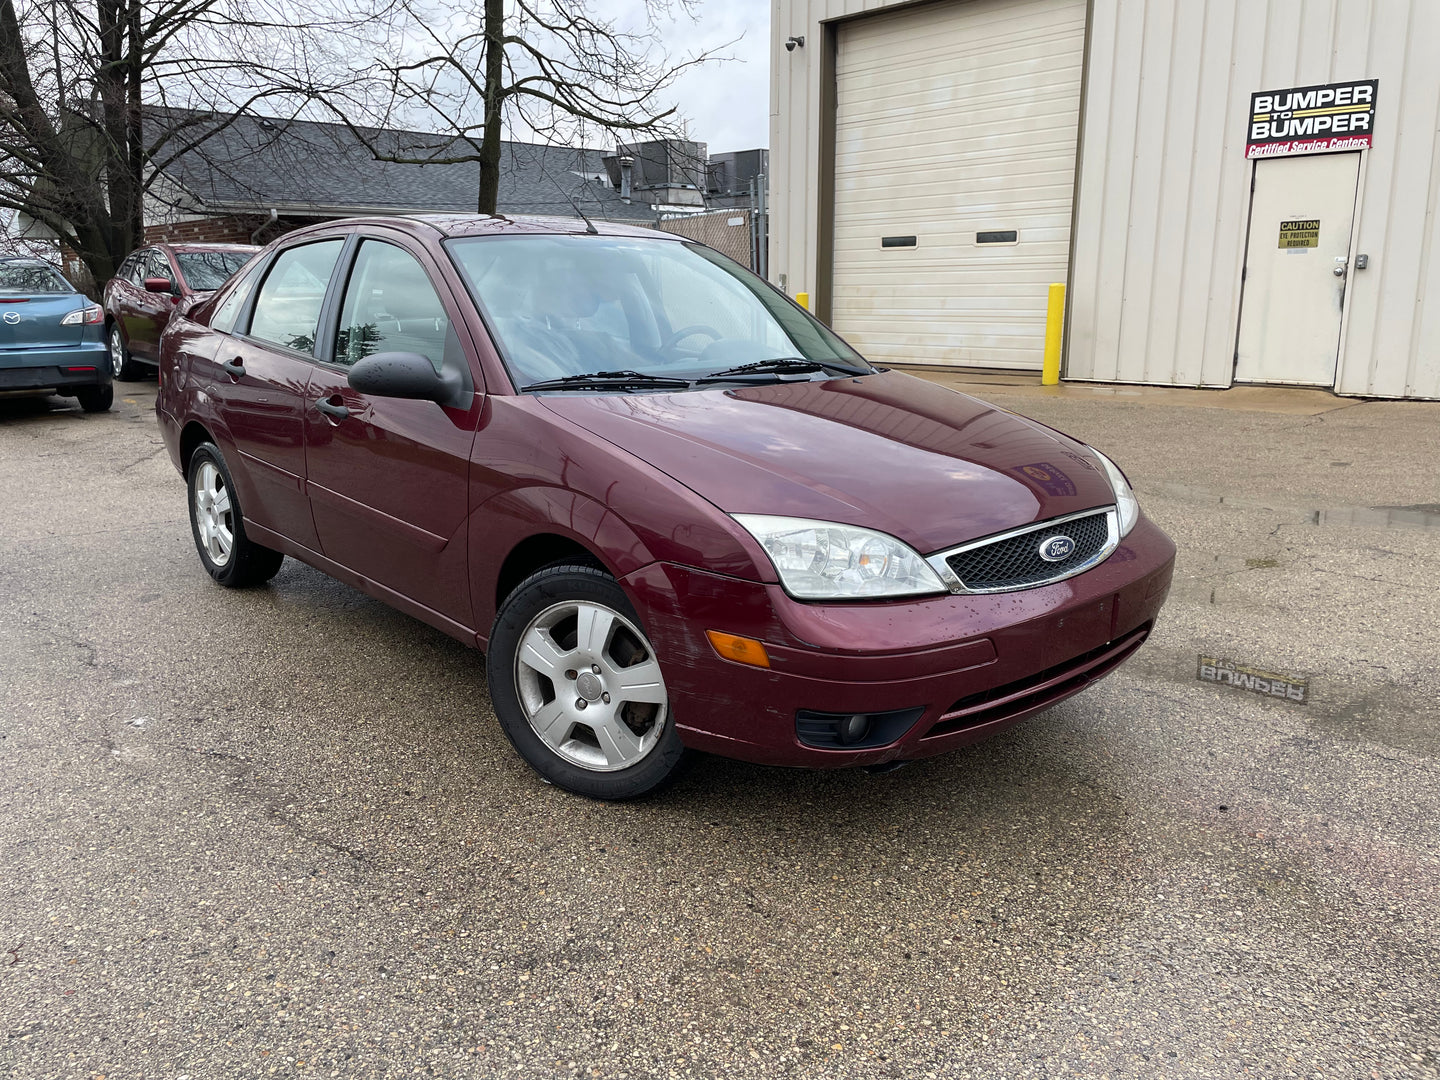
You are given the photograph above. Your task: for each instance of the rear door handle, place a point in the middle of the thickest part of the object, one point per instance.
(234, 367)
(329, 408)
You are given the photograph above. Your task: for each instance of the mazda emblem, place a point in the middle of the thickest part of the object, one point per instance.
(12, 317)
(1056, 548)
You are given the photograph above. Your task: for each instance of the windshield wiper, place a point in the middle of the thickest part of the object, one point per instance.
(780, 365)
(613, 380)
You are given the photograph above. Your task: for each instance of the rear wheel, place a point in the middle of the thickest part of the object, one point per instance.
(578, 688)
(96, 398)
(228, 555)
(121, 365)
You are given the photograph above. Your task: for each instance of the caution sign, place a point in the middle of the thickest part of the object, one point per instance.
(1312, 119)
(1300, 234)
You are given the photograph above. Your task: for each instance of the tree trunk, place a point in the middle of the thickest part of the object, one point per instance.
(112, 162)
(494, 100)
(134, 135)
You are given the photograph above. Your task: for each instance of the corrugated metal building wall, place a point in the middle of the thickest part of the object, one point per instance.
(1163, 185)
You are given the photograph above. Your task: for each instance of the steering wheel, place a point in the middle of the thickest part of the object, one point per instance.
(686, 331)
(544, 353)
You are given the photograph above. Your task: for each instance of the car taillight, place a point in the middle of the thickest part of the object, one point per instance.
(86, 316)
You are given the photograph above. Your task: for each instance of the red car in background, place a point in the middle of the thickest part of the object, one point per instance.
(150, 285)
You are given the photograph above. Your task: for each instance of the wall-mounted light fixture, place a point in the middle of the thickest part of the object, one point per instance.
(792, 42)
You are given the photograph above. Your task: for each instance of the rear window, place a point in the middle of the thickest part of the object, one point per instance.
(32, 278)
(287, 310)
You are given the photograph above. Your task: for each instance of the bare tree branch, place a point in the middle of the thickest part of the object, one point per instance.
(546, 68)
(81, 142)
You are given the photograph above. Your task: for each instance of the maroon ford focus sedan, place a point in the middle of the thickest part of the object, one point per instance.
(673, 509)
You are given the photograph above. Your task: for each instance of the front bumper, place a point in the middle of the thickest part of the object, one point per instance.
(971, 664)
(60, 370)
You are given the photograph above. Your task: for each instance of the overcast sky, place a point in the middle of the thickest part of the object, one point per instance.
(727, 104)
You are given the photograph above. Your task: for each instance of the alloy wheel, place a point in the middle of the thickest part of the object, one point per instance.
(117, 351)
(590, 686)
(214, 517)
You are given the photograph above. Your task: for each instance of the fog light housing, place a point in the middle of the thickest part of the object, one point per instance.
(853, 731)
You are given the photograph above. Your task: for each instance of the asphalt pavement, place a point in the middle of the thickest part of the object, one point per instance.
(278, 832)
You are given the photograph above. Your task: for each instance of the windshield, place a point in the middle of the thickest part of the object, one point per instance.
(206, 271)
(32, 278)
(573, 305)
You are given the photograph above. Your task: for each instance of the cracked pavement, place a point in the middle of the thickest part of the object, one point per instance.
(278, 832)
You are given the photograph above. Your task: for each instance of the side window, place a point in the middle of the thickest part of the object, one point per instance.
(229, 311)
(287, 311)
(390, 306)
(134, 270)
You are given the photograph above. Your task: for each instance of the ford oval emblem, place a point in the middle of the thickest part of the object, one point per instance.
(1057, 548)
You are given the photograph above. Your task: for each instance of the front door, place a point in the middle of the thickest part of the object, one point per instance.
(151, 311)
(388, 477)
(1297, 266)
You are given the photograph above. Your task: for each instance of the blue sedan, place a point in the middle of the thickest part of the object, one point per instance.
(51, 337)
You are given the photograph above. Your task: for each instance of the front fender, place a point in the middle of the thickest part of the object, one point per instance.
(501, 524)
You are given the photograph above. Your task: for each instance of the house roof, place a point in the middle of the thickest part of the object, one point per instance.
(323, 169)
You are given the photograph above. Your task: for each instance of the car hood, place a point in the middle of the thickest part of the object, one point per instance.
(888, 451)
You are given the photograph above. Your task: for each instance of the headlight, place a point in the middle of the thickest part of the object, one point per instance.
(1125, 502)
(820, 560)
(86, 316)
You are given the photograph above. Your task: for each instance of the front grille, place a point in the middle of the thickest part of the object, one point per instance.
(1014, 562)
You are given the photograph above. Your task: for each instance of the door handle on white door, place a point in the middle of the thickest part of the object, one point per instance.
(1339, 270)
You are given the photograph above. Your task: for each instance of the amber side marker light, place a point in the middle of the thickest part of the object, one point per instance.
(742, 650)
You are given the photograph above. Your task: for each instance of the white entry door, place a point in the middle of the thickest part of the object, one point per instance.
(1296, 269)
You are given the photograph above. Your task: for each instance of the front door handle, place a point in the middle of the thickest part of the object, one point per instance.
(234, 367)
(329, 408)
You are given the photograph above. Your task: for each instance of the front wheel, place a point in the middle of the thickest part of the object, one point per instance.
(577, 686)
(122, 366)
(228, 555)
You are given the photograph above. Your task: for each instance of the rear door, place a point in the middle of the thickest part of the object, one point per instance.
(261, 376)
(387, 477)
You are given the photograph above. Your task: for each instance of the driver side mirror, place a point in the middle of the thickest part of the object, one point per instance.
(160, 285)
(406, 375)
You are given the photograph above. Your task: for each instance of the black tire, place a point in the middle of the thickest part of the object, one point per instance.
(96, 398)
(122, 365)
(245, 562)
(579, 738)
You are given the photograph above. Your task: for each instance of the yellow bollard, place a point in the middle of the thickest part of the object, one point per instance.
(1054, 324)
(803, 299)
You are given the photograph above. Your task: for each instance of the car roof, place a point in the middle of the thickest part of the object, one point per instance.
(188, 247)
(455, 225)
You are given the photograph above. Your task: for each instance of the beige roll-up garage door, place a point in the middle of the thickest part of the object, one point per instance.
(955, 137)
